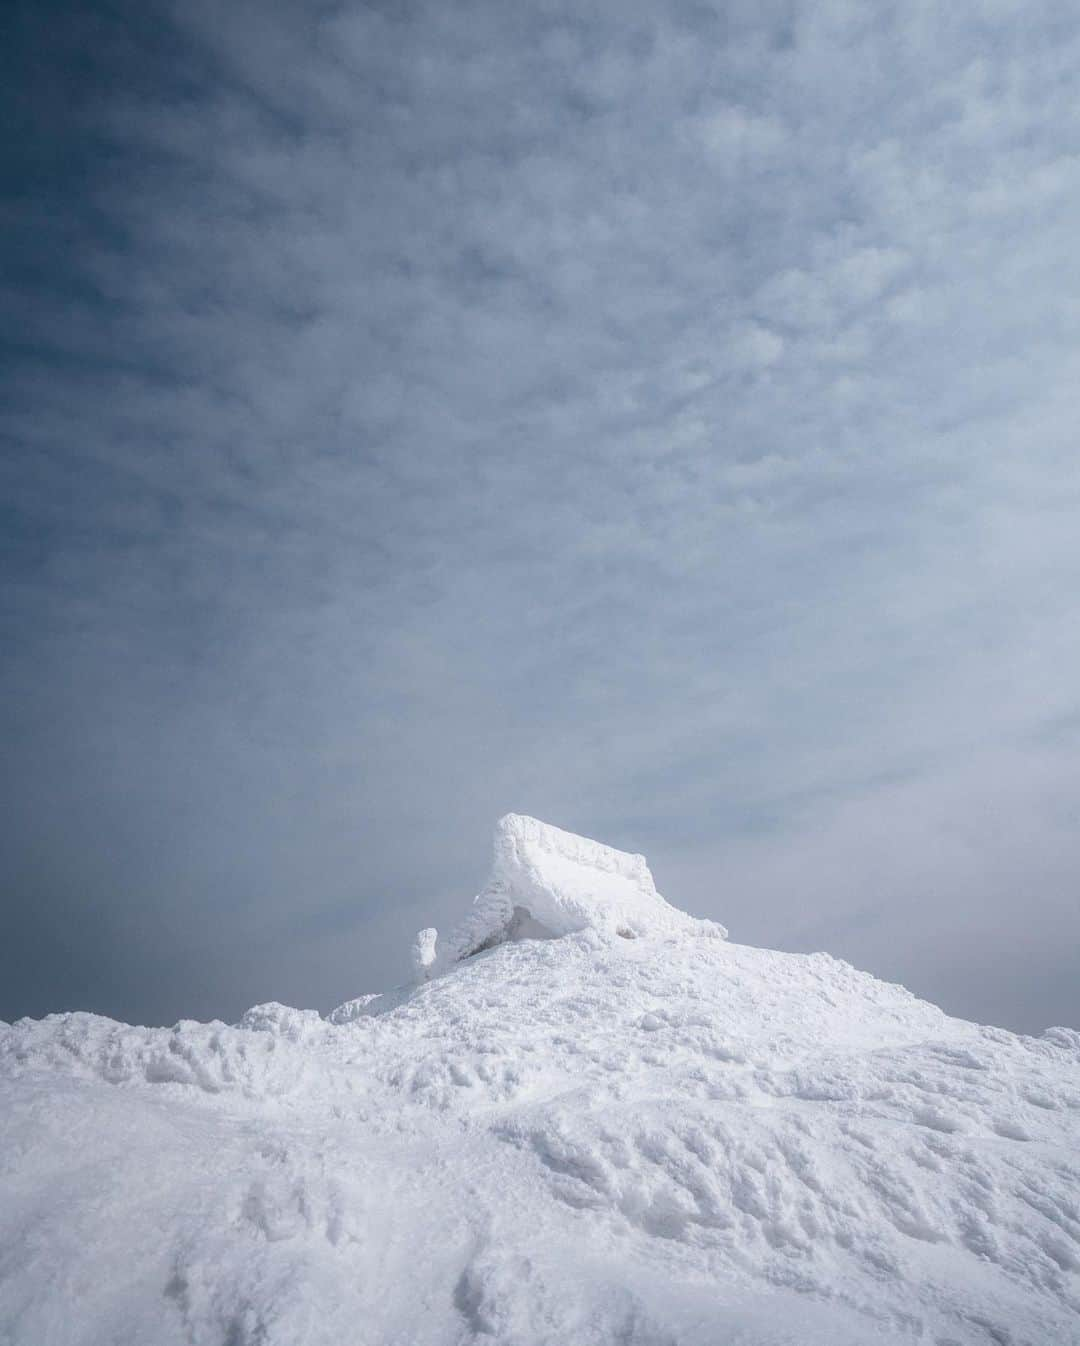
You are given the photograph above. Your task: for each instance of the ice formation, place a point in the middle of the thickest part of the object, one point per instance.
(544, 883)
(666, 1140)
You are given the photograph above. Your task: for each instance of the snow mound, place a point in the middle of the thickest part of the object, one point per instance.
(545, 883)
(659, 1141)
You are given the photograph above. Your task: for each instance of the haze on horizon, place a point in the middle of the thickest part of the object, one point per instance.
(660, 420)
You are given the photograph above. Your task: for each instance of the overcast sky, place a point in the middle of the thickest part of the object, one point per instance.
(659, 418)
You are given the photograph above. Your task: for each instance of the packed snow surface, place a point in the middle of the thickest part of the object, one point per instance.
(591, 1121)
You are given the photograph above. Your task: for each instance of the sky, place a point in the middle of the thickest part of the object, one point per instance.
(657, 418)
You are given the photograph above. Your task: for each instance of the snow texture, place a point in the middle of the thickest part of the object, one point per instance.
(585, 1140)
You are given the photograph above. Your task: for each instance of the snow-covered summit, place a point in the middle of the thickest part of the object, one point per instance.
(545, 883)
(666, 1140)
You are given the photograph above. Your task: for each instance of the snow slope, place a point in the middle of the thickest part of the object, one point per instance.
(569, 1136)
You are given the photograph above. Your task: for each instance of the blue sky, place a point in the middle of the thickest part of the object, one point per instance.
(657, 418)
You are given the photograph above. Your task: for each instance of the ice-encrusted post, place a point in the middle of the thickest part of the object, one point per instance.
(423, 952)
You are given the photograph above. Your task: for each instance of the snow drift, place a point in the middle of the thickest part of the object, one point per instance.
(661, 1140)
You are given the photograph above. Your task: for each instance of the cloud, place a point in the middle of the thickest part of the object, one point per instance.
(660, 420)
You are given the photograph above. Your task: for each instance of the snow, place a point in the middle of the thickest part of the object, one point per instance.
(545, 883)
(577, 1138)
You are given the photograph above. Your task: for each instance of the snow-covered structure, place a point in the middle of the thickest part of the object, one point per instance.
(545, 883)
(666, 1140)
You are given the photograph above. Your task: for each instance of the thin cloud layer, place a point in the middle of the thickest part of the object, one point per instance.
(657, 420)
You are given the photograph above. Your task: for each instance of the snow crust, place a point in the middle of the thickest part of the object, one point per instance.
(660, 1141)
(545, 883)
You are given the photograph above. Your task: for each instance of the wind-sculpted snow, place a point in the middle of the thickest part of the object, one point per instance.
(586, 1139)
(255, 1058)
(546, 882)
